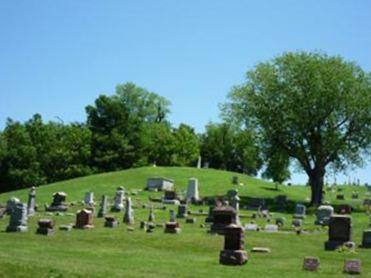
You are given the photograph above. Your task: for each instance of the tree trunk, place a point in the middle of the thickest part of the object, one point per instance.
(316, 179)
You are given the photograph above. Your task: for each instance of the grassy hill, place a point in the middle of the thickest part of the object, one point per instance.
(193, 253)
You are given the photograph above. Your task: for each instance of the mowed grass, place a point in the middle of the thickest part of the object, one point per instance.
(101, 252)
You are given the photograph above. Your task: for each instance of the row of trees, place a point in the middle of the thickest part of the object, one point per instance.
(307, 108)
(127, 129)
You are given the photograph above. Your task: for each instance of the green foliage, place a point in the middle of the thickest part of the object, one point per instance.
(186, 146)
(226, 147)
(314, 107)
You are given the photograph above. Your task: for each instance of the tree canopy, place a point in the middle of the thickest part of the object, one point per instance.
(312, 107)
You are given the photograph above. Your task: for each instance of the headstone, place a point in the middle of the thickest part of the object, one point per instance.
(84, 219)
(311, 263)
(118, 204)
(300, 211)
(129, 212)
(103, 209)
(344, 209)
(58, 202)
(156, 183)
(233, 199)
(11, 204)
(199, 161)
(89, 199)
(31, 204)
(110, 221)
(172, 228)
(297, 222)
(280, 221)
(46, 227)
(191, 220)
(151, 215)
(271, 228)
(234, 251)
(182, 211)
(366, 239)
(323, 215)
(251, 227)
(172, 216)
(281, 201)
(340, 231)
(18, 218)
(352, 266)
(340, 197)
(235, 180)
(192, 190)
(355, 195)
(222, 217)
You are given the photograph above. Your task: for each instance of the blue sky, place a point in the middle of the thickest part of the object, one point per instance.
(56, 57)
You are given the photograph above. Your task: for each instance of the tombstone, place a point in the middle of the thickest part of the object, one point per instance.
(103, 209)
(234, 251)
(311, 263)
(182, 211)
(110, 221)
(150, 227)
(323, 215)
(199, 161)
(271, 228)
(151, 215)
(58, 202)
(192, 190)
(18, 218)
(340, 197)
(281, 201)
(233, 199)
(89, 199)
(170, 198)
(31, 204)
(84, 219)
(352, 266)
(172, 227)
(280, 221)
(366, 239)
(297, 222)
(344, 209)
(340, 231)
(46, 227)
(210, 218)
(355, 195)
(159, 184)
(251, 227)
(299, 211)
(129, 212)
(11, 204)
(235, 180)
(191, 220)
(222, 217)
(206, 165)
(118, 202)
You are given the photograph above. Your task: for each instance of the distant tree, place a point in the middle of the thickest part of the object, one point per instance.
(226, 147)
(117, 122)
(186, 146)
(314, 107)
(277, 166)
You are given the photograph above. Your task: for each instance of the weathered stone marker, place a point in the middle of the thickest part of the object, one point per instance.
(84, 219)
(31, 204)
(340, 231)
(46, 227)
(118, 204)
(103, 209)
(182, 211)
(323, 215)
(18, 218)
(352, 266)
(129, 212)
(110, 221)
(89, 199)
(311, 263)
(300, 210)
(234, 251)
(58, 202)
(192, 191)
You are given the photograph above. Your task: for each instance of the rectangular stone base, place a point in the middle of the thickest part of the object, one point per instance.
(45, 231)
(172, 230)
(21, 229)
(111, 224)
(332, 244)
(233, 257)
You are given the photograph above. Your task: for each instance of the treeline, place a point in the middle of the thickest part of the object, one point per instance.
(128, 129)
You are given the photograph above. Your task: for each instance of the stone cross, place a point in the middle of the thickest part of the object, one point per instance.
(18, 218)
(31, 202)
(129, 212)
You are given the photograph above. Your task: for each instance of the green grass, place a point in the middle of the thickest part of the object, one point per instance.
(118, 252)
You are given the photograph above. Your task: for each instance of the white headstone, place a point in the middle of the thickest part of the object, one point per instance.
(119, 199)
(89, 198)
(192, 191)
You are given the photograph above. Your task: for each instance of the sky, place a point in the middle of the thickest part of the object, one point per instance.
(57, 57)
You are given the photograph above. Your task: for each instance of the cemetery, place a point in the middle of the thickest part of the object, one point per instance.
(237, 239)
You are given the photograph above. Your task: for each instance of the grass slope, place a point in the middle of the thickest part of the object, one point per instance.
(193, 253)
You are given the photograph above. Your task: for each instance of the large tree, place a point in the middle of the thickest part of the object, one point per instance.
(314, 107)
